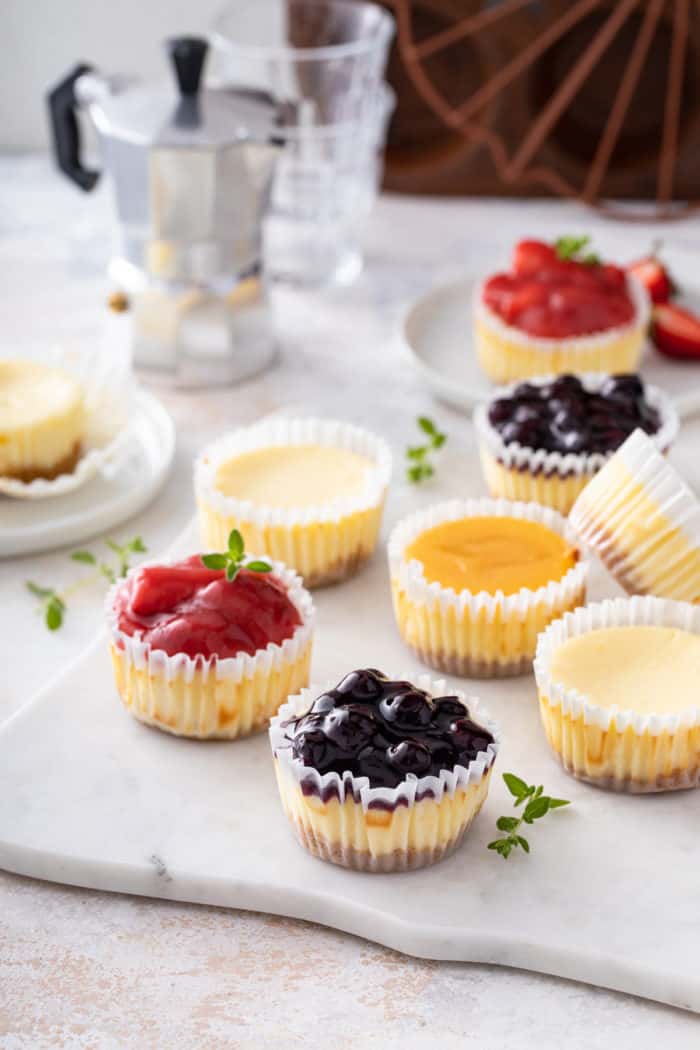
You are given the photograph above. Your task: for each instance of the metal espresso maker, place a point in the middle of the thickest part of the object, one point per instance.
(192, 171)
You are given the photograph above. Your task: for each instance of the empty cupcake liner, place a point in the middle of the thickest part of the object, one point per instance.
(643, 521)
(342, 819)
(107, 386)
(477, 635)
(209, 698)
(615, 748)
(326, 542)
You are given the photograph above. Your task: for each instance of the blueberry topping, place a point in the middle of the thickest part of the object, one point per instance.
(381, 729)
(562, 416)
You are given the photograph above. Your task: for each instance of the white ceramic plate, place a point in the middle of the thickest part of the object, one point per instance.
(437, 331)
(120, 489)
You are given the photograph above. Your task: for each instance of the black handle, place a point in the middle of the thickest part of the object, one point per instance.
(64, 130)
(188, 55)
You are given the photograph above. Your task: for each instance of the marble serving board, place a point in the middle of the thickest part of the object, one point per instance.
(609, 895)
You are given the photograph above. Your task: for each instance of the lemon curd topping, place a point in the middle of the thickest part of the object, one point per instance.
(492, 554)
(294, 475)
(646, 669)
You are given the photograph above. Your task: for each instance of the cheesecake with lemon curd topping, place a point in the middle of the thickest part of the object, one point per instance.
(380, 774)
(474, 582)
(617, 684)
(42, 420)
(199, 655)
(558, 310)
(310, 492)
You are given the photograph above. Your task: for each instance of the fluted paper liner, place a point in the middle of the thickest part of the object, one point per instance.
(507, 353)
(643, 521)
(477, 635)
(615, 748)
(324, 543)
(212, 698)
(554, 479)
(378, 828)
(106, 384)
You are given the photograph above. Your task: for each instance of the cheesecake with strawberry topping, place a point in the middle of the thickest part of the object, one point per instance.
(206, 651)
(559, 309)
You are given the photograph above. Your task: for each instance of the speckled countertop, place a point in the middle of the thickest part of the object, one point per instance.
(88, 970)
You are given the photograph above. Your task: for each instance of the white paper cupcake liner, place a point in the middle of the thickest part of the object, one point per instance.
(107, 384)
(482, 634)
(325, 542)
(616, 748)
(186, 696)
(400, 843)
(514, 456)
(643, 520)
(597, 341)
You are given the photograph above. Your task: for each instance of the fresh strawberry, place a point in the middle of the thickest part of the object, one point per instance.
(676, 332)
(655, 277)
(531, 256)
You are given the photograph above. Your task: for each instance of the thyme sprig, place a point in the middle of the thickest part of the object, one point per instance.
(234, 559)
(537, 805)
(420, 465)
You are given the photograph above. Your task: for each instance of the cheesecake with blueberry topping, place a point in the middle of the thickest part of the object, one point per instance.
(545, 439)
(380, 774)
(557, 310)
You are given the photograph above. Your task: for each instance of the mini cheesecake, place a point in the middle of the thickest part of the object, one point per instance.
(643, 521)
(474, 582)
(544, 440)
(549, 315)
(618, 690)
(198, 655)
(42, 421)
(379, 774)
(310, 492)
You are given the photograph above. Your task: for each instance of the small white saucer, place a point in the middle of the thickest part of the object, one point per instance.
(119, 489)
(437, 331)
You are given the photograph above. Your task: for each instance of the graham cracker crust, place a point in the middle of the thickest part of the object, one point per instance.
(604, 545)
(64, 466)
(363, 860)
(338, 571)
(681, 780)
(471, 667)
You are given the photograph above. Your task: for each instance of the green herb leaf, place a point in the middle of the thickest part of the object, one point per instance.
(232, 571)
(86, 557)
(515, 785)
(214, 561)
(137, 546)
(236, 546)
(507, 823)
(427, 426)
(54, 613)
(537, 805)
(258, 566)
(37, 591)
(417, 451)
(572, 249)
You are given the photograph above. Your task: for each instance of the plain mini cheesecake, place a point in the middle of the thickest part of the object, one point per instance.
(618, 690)
(382, 774)
(42, 421)
(474, 582)
(545, 439)
(199, 655)
(559, 311)
(309, 492)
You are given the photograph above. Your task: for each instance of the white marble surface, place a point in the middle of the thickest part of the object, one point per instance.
(73, 963)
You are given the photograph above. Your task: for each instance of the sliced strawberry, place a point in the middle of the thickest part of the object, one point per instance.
(655, 277)
(531, 256)
(676, 332)
(157, 588)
